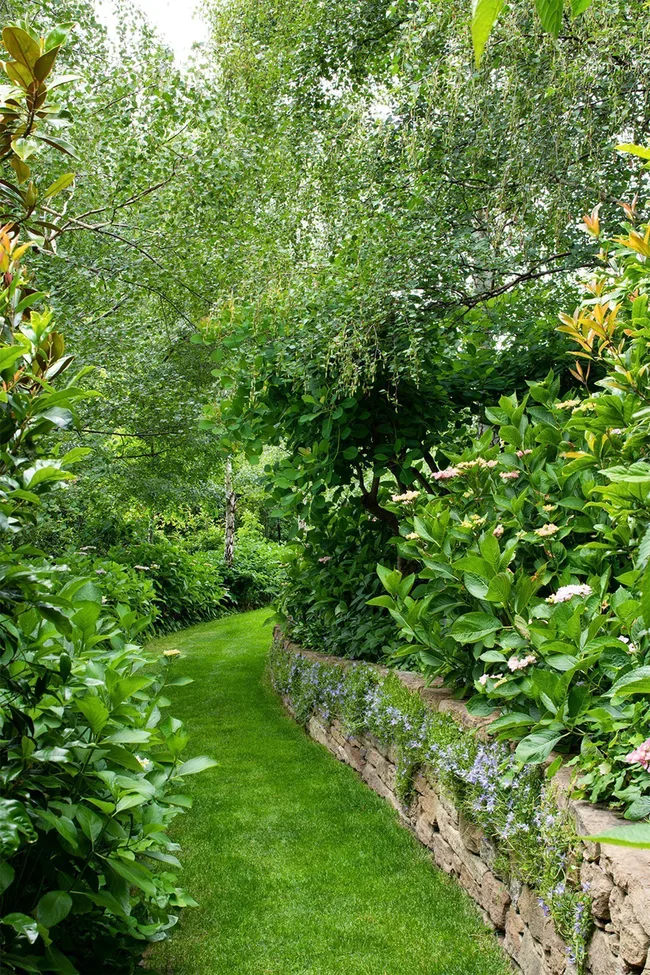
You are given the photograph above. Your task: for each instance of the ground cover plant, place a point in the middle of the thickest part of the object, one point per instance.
(301, 868)
(535, 587)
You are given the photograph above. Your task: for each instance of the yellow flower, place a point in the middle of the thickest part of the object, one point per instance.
(171, 653)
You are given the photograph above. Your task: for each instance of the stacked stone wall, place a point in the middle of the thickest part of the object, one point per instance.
(618, 878)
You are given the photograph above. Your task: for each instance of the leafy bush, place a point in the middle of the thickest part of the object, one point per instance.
(535, 543)
(256, 574)
(330, 578)
(90, 769)
(119, 584)
(188, 587)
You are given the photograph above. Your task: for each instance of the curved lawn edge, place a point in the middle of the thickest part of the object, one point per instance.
(298, 868)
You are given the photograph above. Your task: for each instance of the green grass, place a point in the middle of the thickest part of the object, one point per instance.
(299, 869)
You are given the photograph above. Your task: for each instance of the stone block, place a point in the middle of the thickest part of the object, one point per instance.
(600, 888)
(433, 696)
(445, 809)
(318, 732)
(424, 830)
(352, 755)
(421, 785)
(473, 864)
(488, 853)
(531, 912)
(601, 958)
(471, 835)
(495, 899)
(634, 944)
(467, 881)
(530, 958)
(414, 682)
(555, 956)
(370, 776)
(514, 928)
(444, 856)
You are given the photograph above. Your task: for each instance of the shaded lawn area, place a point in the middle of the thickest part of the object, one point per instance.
(299, 869)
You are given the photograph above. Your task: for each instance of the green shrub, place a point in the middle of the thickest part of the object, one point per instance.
(256, 575)
(188, 587)
(90, 767)
(532, 551)
(330, 578)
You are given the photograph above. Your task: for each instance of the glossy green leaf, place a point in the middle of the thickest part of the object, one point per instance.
(484, 16)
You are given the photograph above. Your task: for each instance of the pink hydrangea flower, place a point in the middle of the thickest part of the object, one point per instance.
(565, 593)
(325, 558)
(523, 453)
(640, 756)
(445, 475)
(509, 475)
(547, 530)
(498, 531)
(520, 663)
(407, 496)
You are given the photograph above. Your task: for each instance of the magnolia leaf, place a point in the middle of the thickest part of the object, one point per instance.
(53, 908)
(194, 765)
(637, 836)
(22, 47)
(60, 184)
(484, 16)
(45, 64)
(579, 6)
(642, 151)
(550, 14)
(58, 35)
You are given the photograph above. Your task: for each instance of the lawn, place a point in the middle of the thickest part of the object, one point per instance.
(299, 869)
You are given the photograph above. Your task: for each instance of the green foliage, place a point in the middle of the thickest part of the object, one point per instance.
(91, 772)
(188, 587)
(533, 583)
(329, 579)
(485, 13)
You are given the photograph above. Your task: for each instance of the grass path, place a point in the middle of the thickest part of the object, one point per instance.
(298, 867)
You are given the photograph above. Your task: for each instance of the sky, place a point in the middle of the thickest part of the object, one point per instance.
(176, 21)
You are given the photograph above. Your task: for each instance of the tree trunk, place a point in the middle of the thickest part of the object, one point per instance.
(231, 508)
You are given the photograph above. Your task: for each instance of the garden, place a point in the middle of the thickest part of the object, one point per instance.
(325, 408)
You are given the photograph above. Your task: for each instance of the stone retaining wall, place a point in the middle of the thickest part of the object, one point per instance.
(619, 879)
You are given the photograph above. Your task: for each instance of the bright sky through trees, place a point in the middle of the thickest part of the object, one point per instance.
(177, 21)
